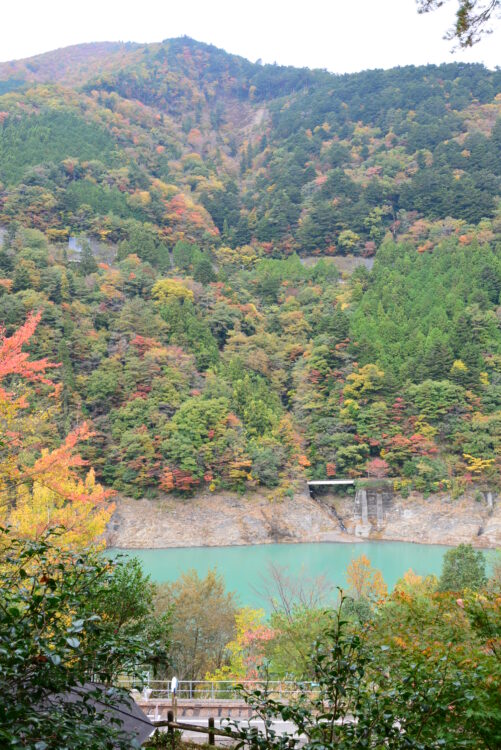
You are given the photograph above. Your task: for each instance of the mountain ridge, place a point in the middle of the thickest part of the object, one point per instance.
(181, 98)
(35, 65)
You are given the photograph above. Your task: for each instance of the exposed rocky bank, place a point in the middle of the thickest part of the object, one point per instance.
(223, 520)
(438, 519)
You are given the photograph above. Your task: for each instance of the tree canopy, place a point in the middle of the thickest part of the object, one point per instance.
(236, 307)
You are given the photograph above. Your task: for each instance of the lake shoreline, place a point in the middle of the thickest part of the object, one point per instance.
(298, 543)
(248, 571)
(227, 520)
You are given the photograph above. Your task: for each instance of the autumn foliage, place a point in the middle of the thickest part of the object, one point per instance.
(42, 487)
(364, 581)
(188, 268)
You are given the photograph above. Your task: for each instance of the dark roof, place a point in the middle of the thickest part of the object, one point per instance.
(111, 704)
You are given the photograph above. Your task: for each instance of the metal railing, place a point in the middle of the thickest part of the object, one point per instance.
(216, 689)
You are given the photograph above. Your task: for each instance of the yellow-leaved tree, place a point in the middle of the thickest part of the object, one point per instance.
(42, 488)
(246, 650)
(165, 290)
(365, 582)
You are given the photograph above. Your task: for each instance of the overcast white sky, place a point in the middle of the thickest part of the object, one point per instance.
(340, 35)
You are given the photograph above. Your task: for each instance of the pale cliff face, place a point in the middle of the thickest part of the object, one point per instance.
(225, 520)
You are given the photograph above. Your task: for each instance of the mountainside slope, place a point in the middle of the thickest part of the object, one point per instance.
(193, 334)
(292, 157)
(69, 65)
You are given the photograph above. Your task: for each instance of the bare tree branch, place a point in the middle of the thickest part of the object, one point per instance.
(285, 592)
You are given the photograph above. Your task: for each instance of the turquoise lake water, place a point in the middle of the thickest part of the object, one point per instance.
(246, 568)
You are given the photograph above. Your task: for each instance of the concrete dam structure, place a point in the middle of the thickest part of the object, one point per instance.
(371, 508)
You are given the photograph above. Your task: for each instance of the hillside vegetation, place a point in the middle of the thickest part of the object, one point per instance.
(195, 331)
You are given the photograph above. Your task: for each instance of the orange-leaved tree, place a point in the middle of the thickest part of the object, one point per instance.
(364, 581)
(42, 488)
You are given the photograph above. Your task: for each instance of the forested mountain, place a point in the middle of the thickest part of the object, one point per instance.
(194, 328)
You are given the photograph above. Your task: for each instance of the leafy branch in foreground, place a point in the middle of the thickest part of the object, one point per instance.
(472, 17)
(421, 684)
(68, 620)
